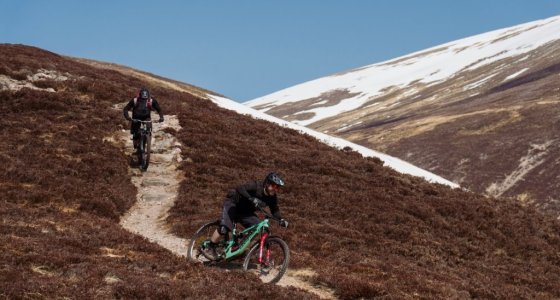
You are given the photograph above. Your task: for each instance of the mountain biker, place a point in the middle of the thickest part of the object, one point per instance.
(141, 107)
(241, 203)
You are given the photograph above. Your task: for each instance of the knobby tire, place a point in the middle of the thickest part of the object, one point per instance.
(147, 145)
(140, 151)
(195, 247)
(272, 270)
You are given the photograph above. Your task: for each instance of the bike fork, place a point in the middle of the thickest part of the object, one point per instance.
(261, 246)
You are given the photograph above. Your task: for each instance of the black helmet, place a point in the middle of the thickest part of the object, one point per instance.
(144, 94)
(272, 177)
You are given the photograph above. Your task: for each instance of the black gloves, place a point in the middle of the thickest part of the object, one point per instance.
(160, 119)
(258, 202)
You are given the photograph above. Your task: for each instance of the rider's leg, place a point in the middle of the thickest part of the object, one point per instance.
(220, 233)
(226, 223)
(215, 237)
(249, 220)
(134, 127)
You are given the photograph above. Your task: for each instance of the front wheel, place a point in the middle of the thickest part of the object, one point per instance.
(140, 151)
(274, 262)
(198, 245)
(146, 144)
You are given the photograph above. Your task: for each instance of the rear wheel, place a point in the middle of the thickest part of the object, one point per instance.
(274, 263)
(198, 245)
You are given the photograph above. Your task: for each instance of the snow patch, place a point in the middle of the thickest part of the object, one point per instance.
(515, 74)
(392, 162)
(345, 126)
(535, 157)
(478, 83)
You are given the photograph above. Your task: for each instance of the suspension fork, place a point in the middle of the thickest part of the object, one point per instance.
(261, 246)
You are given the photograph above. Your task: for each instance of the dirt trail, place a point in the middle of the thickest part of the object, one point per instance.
(157, 190)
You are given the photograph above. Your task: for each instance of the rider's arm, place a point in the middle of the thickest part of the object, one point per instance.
(128, 107)
(275, 210)
(155, 105)
(245, 191)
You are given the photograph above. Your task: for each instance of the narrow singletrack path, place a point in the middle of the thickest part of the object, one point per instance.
(157, 188)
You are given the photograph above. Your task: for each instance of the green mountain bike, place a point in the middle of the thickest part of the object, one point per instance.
(268, 255)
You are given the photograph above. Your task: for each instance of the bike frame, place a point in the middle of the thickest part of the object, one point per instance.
(145, 131)
(145, 135)
(258, 250)
(249, 234)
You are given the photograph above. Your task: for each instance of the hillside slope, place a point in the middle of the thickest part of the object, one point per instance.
(454, 109)
(362, 229)
(63, 189)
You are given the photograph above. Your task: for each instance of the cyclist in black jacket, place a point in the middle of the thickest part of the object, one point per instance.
(141, 107)
(241, 203)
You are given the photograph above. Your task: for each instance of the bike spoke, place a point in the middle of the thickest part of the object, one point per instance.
(273, 263)
(197, 246)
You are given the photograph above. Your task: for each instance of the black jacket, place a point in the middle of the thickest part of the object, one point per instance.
(240, 198)
(141, 110)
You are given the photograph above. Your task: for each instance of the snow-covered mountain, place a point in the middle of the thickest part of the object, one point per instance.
(451, 109)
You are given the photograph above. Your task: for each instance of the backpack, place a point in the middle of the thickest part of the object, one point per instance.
(148, 103)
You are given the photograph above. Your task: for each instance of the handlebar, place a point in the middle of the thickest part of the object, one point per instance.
(141, 121)
(268, 215)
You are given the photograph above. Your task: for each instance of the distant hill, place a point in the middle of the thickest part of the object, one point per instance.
(356, 226)
(480, 111)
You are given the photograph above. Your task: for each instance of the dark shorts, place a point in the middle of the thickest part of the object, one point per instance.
(229, 216)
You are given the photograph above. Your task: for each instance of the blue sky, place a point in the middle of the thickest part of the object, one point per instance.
(246, 49)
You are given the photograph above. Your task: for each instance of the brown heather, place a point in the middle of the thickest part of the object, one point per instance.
(63, 189)
(367, 231)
